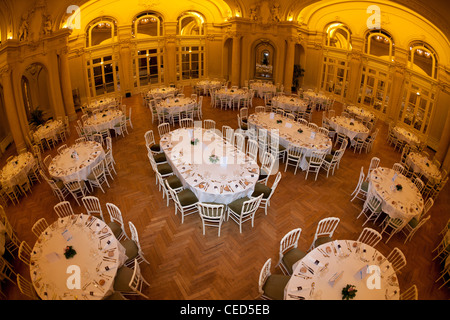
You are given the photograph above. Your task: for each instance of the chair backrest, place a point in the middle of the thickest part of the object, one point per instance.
(134, 235)
(370, 237)
(25, 287)
(209, 124)
(398, 167)
(412, 293)
(137, 281)
(99, 169)
(397, 259)
(373, 202)
(252, 149)
(229, 135)
(267, 162)
(260, 109)
(108, 142)
(63, 209)
(210, 211)
(92, 206)
(61, 148)
(419, 183)
(249, 207)
(39, 227)
(186, 123)
(114, 213)
(24, 252)
(264, 275)
(274, 185)
(240, 141)
(326, 227)
(302, 121)
(428, 204)
(163, 128)
(294, 150)
(290, 240)
(317, 157)
(47, 161)
(374, 163)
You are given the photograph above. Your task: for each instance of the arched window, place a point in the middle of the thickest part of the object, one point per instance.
(101, 31)
(190, 23)
(423, 59)
(147, 24)
(379, 43)
(339, 36)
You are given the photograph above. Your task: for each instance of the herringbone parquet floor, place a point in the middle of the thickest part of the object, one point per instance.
(185, 264)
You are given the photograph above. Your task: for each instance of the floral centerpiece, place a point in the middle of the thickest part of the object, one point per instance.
(300, 131)
(69, 252)
(399, 187)
(279, 121)
(213, 158)
(176, 100)
(74, 155)
(194, 141)
(349, 292)
(352, 124)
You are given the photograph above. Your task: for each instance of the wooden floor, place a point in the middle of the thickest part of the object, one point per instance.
(185, 264)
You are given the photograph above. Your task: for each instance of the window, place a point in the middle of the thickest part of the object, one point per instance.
(423, 59)
(190, 23)
(375, 87)
(101, 31)
(335, 76)
(149, 67)
(338, 36)
(103, 76)
(148, 24)
(190, 61)
(380, 44)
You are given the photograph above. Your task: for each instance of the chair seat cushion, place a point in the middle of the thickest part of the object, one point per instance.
(131, 249)
(156, 147)
(115, 228)
(174, 182)
(237, 204)
(160, 157)
(292, 256)
(329, 157)
(274, 286)
(187, 197)
(59, 184)
(122, 279)
(261, 188)
(413, 223)
(321, 240)
(164, 168)
(365, 186)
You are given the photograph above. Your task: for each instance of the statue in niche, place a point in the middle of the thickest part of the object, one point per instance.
(253, 13)
(47, 25)
(276, 12)
(23, 30)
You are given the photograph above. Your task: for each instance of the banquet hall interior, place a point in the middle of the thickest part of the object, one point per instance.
(360, 89)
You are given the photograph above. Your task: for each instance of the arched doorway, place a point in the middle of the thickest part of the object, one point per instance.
(36, 94)
(264, 60)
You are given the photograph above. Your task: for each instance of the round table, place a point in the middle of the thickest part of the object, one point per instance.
(422, 165)
(213, 169)
(101, 104)
(327, 269)
(175, 105)
(232, 93)
(205, 85)
(67, 166)
(48, 130)
(262, 87)
(350, 127)
(291, 132)
(103, 120)
(17, 169)
(162, 92)
(365, 115)
(315, 97)
(407, 136)
(404, 204)
(98, 256)
(291, 104)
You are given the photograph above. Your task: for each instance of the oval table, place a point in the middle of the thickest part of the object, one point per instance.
(407, 136)
(213, 169)
(404, 204)
(327, 269)
(175, 105)
(205, 85)
(162, 92)
(263, 87)
(17, 169)
(101, 104)
(98, 256)
(365, 115)
(48, 130)
(315, 97)
(291, 132)
(66, 166)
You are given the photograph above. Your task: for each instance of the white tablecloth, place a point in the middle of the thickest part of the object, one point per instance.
(350, 127)
(98, 256)
(162, 92)
(67, 167)
(348, 264)
(174, 105)
(406, 203)
(232, 93)
(288, 132)
(288, 103)
(205, 85)
(102, 104)
(106, 119)
(406, 135)
(421, 164)
(232, 177)
(315, 97)
(17, 169)
(49, 130)
(261, 88)
(366, 115)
